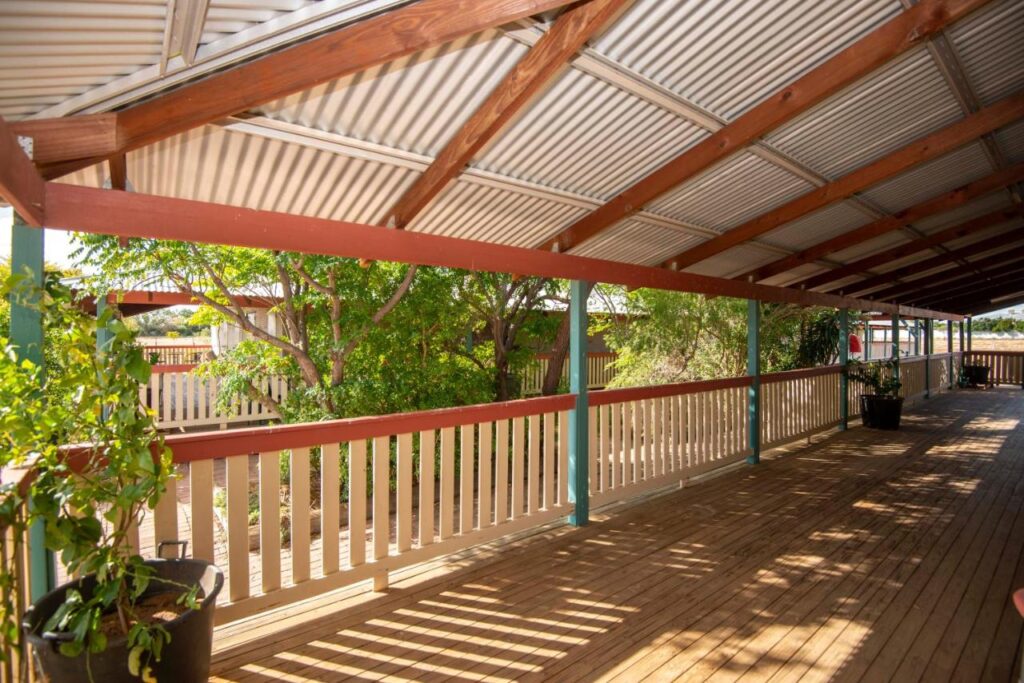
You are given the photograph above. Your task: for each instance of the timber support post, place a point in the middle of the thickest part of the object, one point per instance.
(27, 338)
(844, 358)
(949, 350)
(579, 448)
(754, 371)
(927, 343)
(896, 344)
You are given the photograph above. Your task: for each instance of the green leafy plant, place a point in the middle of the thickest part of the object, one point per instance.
(86, 501)
(881, 377)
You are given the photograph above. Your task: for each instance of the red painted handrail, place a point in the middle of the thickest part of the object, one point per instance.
(179, 367)
(220, 444)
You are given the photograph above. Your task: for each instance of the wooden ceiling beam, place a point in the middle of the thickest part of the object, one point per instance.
(377, 40)
(526, 79)
(903, 250)
(932, 207)
(983, 296)
(901, 33)
(20, 182)
(972, 281)
(125, 214)
(921, 150)
(73, 137)
(1005, 241)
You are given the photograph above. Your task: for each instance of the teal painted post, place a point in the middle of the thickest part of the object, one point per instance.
(970, 330)
(949, 350)
(844, 358)
(917, 337)
(927, 359)
(868, 340)
(102, 334)
(754, 371)
(27, 338)
(896, 343)
(579, 448)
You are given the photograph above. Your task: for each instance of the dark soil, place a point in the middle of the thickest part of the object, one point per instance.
(151, 609)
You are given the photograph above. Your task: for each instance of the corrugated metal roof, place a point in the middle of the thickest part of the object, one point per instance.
(730, 193)
(728, 55)
(818, 226)
(886, 241)
(891, 108)
(990, 45)
(735, 261)
(589, 137)
(262, 173)
(415, 103)
(931, 179)
(635, 241)
(979, 207)
(479, 212)
(51, 50)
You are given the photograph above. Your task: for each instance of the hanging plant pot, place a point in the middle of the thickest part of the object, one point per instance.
(881, 412)
(186, 658)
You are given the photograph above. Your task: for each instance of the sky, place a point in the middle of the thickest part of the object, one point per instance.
(58, 248)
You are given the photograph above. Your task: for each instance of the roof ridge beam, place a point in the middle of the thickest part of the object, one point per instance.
(527, 78)
(931, 207)
(923, 149)
(894, 37)
(356, 47)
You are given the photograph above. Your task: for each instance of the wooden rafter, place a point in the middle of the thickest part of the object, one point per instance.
(348, 50)
(968, 283)
(888, 41)
(921, 150)
(983, 295)
(137, 215)
(527, 78)
(75, 137)
(900, 251)
(186, 28)
(20, 184)
(1004, 241)
(932, 207)
(118, 165)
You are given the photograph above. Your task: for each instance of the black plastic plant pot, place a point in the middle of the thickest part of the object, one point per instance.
(186, 658)
(976, 375)
(881, 412)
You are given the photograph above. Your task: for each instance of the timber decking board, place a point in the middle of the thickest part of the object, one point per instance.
(865, 556)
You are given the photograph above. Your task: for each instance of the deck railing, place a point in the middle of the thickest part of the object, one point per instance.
(1005, 367)
(646, 438)
(600, 371)
(292, 511)
(182, 399)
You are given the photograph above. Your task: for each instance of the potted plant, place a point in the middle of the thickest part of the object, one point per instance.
(975, 375)
(883, 407)
(127, 618)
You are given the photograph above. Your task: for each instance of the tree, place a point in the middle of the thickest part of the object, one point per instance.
(511, 309)
(677, 337)
(355, 337)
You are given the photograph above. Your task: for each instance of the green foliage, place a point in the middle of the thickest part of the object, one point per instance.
(881, 377)
(86, 509)
(819, 338)
(677, 337)
(997, 325)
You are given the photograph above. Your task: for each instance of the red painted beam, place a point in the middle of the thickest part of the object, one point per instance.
(901, 33)
(934, 206)
(968, 283)
(912, 247)
(138, 215)
(20, 183)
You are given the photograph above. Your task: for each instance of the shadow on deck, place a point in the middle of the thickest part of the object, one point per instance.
(866, 556)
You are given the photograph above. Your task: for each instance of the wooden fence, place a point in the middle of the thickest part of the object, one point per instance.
(181, 399)
(177, 354)
(600, 371)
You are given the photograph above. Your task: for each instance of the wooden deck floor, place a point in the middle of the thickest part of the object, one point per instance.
(867, 556)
